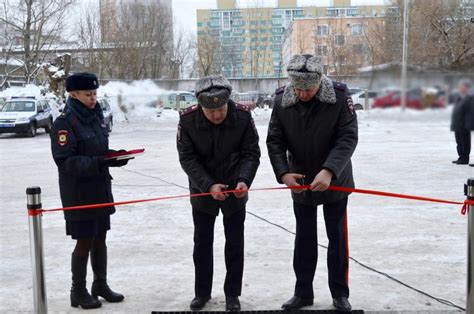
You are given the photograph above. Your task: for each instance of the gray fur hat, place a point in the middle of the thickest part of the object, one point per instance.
(213, 91)
(304, 71)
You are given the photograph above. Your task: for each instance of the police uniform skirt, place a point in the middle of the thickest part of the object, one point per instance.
(88, 228)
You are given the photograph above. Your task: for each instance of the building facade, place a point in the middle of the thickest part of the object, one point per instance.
(341, 43)
(249, 42)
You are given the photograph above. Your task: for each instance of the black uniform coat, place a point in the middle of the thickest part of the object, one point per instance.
(79, 139)
(227, 153)
(463, 114)
(308, 137)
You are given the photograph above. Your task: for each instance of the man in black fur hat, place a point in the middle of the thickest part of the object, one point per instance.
(311, 138)
(218, 149)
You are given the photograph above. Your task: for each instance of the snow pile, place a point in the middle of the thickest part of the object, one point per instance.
(29, 90)
(135, 101)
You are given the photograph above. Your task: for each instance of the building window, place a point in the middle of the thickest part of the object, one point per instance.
(322, 30)
(322, 50)
(216, 14)
(226, 20)
(392, 11)
(215, 23)
(339, 40)
(333, 12)
(357, 30)
(352, 12)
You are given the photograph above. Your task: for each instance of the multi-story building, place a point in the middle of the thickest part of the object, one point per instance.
(248, 42)
(341, 43)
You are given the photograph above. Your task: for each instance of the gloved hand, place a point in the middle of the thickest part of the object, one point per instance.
(114, 162)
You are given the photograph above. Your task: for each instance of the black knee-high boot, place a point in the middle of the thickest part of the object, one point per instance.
(99, 286)
(79, 294)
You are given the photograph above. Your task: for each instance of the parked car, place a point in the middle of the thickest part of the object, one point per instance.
(253, 99)
(417, 98)
(359, 99)
(178, 100)
(25, 115)
(104, 103)
(2, 102)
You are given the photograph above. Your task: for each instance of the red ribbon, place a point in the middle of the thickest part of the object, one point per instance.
(464, 210)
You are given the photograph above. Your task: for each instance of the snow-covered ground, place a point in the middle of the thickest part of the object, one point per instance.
(150, 244)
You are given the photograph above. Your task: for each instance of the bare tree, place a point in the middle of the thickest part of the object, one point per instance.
(90, 38)
(39, 23)
(183, 49)
(440, 35)
(140, 44)
(208, 55)
(444, 30)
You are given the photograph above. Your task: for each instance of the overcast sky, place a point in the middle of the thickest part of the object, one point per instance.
(185, 10)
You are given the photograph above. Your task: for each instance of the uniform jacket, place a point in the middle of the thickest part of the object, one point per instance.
(79, 139)
(226, 153)
(461, 118)
(463, 114)
(308, 137)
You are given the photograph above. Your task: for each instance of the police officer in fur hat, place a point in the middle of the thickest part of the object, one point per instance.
(79, 141)
(311, 138)
(218, 149)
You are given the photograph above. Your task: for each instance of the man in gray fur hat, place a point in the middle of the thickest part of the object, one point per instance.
(218, 149)
(311, 138)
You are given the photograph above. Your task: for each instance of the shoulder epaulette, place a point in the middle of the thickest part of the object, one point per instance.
(188, 110)
(242, 107)
(280, 90)
(339, 86)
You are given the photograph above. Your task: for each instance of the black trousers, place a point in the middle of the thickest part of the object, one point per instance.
(463, 144)
(306, 248)
(203, 252)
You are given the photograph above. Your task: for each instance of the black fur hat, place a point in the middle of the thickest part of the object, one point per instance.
(82, 81)
(213, 91)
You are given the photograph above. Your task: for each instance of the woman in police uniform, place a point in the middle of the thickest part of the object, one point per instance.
(79, 140)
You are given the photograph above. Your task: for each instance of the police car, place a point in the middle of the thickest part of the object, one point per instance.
(107, 111)
(25, 115)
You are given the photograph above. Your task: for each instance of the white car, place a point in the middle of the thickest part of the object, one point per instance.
(359, 100)
(25, 115)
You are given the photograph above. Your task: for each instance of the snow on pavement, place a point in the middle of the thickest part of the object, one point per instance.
(150, 244)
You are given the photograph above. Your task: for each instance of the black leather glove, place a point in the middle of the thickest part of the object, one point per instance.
(116, 162)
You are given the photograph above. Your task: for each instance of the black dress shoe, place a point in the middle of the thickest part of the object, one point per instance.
(198, 303)
(471, 165)
(295, 303)
(461, 162)
(232, 304)
(342, 304)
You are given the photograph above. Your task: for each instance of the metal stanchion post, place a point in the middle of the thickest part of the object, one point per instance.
(469, 191)
(33, 195)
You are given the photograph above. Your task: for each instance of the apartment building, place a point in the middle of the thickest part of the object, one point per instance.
(249, 42)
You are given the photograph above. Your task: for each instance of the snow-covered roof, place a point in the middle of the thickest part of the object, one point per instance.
(11, 62)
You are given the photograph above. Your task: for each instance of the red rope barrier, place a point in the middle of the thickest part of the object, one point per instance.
(466, 203)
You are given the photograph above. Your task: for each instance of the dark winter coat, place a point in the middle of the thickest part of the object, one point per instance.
(79, 139)
(308, 137)
(227, 153)
(463, 114)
